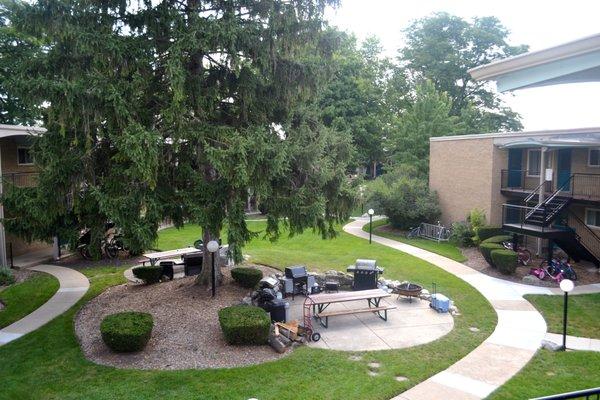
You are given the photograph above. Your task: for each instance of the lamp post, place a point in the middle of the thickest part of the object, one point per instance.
(213, 247)
(370, 212)
(566, 285)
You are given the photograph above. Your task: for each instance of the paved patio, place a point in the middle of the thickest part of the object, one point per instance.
(410, 324)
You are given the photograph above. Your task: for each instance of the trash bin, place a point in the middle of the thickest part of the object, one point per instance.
(279, 310)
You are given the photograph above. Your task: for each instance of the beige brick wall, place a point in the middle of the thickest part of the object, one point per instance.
(19, 246)
(465, 173)
(8, 148)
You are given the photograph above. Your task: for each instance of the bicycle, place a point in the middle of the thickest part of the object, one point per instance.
(524, 255)
(414, 233)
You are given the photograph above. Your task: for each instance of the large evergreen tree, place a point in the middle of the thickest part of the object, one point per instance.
(442, 48)
(353, 99)
(179, 109)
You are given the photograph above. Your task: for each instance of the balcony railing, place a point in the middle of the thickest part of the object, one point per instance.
(20, 179)
(516, 216)
(580, 186)
(521, 180)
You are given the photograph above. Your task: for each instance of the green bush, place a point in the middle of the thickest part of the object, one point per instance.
(149, 274)
(505, 261)
(246, 277)
(488, 231)
(245, 324)
(6, 276)
(404, 200)
(486, 250)
(498, 239)
(461, 234)
(127, 331)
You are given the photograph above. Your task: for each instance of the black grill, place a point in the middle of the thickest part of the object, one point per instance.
(299, 275)
(366, 274)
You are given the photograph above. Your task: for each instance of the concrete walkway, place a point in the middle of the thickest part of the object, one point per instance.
(575, 342)
(513, 343)
(73, 285)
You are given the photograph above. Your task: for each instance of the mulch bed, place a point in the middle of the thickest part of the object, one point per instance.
(586, 272)
(186, 327)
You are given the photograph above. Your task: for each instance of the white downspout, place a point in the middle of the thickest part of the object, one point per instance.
(542, 188)
(3, 261)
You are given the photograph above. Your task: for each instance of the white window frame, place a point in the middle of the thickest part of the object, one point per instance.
(541, 168)
(585, 217)
(23, 164)
(589, 164)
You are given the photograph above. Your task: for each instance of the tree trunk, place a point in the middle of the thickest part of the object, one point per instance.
(205, 276)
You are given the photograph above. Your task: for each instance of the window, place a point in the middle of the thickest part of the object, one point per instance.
(24, 156)
(592, 217)
(594, 158)
(533, 162)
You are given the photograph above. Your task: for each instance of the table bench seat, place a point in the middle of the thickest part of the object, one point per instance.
(333, 313)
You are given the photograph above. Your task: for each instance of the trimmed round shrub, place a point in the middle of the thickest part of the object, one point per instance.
(127, 331)
(486, 250)
(487, 231)
(505, 261)
(246, 277)
(149, 274)
(498, 239)
(245, 324)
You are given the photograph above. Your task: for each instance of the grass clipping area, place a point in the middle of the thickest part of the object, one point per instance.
(23, 298)
(49, 363)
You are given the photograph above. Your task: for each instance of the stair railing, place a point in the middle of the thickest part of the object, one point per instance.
(535, 191)
(549, 199)
(587, 237)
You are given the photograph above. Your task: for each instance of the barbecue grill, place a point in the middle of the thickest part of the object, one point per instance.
(296, 278)
(366, 274)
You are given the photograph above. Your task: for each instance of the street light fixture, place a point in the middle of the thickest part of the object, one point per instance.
(370, 212)
(566, 285)
(213, 247)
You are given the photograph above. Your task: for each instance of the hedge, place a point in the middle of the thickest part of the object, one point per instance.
(487, 248)
(127, 331)
(149, 274)
(505, 261)
(498, 239)
(487, 231)
(244, 324)
(247, 277)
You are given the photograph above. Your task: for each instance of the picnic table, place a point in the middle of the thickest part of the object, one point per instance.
(154, 257)
(372, 296)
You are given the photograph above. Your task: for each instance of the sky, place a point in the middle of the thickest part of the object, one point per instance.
(537, 23)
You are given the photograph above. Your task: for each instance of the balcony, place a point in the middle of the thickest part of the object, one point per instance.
(20, 179)
(584, 187)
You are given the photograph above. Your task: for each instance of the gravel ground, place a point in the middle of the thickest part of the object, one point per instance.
(186, 328)
(586, 272)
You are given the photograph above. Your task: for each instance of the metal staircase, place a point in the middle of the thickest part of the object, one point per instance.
(576, 238)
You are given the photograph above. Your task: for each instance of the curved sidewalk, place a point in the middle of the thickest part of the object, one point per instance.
(73, 285)
(513, 343)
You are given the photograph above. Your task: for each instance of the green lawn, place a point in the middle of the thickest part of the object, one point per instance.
(561, 371)
(552, 373)
(49, 364)
(23, 298)
(442, 248)
(584, 313)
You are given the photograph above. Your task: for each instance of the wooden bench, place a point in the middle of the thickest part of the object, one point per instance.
(376, 310)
